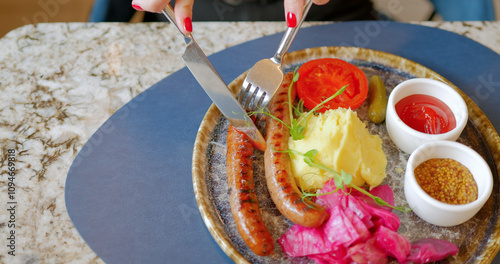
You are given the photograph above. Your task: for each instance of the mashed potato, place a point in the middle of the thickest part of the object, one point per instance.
(343, 143)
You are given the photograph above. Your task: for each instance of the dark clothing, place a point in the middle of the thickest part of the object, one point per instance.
(240, 10)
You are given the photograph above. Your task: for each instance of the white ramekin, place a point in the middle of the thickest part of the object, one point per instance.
(407, 138)
(432, 210)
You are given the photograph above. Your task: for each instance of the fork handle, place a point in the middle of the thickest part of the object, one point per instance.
(290, 34)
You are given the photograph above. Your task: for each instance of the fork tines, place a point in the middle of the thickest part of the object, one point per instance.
(252, 98)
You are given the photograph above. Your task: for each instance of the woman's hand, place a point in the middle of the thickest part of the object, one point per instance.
(183, 11)
(294, 8)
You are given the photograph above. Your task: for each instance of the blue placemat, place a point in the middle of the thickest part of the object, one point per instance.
(129, 191)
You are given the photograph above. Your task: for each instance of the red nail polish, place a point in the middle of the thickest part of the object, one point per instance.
(188, 26)
(291, 20)
(136, 7)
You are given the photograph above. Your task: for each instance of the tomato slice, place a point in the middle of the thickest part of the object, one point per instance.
(321, 78)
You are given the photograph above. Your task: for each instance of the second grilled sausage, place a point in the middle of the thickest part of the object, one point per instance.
(242, 196)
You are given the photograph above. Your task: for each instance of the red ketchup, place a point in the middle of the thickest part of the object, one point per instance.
(426, 114)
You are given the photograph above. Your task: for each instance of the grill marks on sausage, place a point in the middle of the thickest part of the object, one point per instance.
(280, 182)
(242, 196)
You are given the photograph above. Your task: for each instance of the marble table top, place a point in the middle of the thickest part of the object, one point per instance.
(60, 82)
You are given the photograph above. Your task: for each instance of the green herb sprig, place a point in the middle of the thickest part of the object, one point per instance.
(342, 179)
(297, 125)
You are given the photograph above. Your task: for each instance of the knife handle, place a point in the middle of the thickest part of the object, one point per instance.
(168, 11)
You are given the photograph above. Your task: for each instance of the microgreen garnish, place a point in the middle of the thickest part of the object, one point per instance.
(302, 118)
(294, 129)
(298, 125)
(342, 179)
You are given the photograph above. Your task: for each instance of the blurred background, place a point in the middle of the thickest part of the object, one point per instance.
(16, 13)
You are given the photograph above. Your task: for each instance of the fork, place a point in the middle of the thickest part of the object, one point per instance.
(265, 77)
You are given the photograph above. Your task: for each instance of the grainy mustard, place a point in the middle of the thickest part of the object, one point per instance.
(447, 180)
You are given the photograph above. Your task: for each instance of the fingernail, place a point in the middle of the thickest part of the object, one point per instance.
(136, 7)
(188, 25)
(291, 20)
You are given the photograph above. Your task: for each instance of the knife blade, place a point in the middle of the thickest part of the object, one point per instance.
(215, 87)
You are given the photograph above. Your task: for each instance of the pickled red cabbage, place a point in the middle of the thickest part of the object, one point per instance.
(360, 231)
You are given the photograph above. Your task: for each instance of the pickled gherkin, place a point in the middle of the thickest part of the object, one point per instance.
(377, 97)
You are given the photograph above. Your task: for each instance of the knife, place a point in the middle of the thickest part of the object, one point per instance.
(206, 75)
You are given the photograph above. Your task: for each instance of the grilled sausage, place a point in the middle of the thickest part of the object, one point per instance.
(242, 196)
(280, 182)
